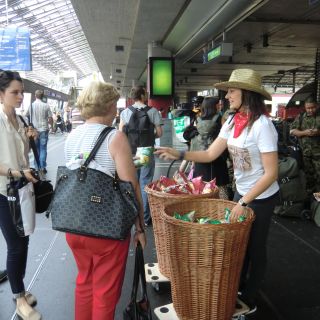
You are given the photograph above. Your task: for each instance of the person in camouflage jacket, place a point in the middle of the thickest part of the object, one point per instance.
(306, 127)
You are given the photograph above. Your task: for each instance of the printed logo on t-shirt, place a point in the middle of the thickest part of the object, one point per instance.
(240, 157)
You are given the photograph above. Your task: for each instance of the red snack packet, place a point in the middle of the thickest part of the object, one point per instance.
(155, 186)
(209, 186)
(198, 185)
(186, 188)
(166, 182)
(180, 178)
(176, 189)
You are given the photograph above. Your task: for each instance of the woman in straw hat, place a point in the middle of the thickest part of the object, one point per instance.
(251, 140)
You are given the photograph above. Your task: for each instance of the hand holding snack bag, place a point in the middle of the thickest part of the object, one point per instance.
(142, 157)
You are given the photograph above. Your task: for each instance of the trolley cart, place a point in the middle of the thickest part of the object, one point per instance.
(167, 312)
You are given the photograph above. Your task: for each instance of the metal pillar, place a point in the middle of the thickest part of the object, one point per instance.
(317, 75)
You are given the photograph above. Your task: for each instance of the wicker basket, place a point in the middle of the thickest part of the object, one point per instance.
(157, 201)
(205, 260)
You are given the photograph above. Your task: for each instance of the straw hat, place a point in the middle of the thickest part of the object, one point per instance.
(246, 79)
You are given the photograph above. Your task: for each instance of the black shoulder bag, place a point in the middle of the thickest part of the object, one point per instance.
(91, 203)
(43, 189)
(138, 310)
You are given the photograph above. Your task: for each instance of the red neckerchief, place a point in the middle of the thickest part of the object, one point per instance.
(240, 122)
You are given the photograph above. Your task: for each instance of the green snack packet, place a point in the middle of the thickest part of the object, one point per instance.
(177, 215)
(203, 220)
(213, 221)
(189, 216)
(227, 213)
(242, 218)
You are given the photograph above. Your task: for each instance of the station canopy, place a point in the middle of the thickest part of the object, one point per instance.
(58, 43)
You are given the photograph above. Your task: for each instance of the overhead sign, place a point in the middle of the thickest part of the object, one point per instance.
(222, 50)
(15, 49)
(161, 77)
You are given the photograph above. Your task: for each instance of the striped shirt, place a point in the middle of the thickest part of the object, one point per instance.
(80, 143)
(39, 115)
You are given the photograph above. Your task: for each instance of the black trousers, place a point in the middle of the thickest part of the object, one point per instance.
(255, 261)
(17, 249)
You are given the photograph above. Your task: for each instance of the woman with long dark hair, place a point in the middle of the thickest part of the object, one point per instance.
(14, 141)
(251, 139)
(208, 126)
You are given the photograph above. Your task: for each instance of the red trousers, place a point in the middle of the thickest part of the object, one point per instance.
(101, 267)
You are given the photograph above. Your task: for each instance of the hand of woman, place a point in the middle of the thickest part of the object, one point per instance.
(140, 237)
(29, 176)
(237, 211)
(26, 173)
(167, 153)
(32, 132)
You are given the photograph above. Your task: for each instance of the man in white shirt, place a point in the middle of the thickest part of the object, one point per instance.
(40, 116)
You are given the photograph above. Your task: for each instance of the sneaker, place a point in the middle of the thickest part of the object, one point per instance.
(252, 309)
(244, 308)
(3, 275)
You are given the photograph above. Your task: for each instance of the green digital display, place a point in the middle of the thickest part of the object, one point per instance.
(161, 76)
(214, 53)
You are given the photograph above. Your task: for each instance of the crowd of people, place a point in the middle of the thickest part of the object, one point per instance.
(247, 136)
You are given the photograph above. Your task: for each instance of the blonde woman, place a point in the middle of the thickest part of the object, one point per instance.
(101, 262)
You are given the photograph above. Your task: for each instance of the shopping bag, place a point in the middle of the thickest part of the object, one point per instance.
(21, 199)
(138, 309)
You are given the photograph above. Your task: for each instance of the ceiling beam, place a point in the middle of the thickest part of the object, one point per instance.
(280, 20)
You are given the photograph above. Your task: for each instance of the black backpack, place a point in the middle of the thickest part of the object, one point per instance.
(292, 184)
(139, 129)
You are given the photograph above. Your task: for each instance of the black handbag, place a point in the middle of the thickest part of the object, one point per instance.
(43, 189)
(138, 310)
(91, 203)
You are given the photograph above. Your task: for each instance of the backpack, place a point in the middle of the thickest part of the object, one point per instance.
(315, 212)
(208, 130)
(292, 184)
(139, 129)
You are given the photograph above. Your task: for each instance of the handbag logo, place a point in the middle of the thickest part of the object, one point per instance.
(96, 199)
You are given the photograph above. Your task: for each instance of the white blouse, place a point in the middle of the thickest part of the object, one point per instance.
(14, 148)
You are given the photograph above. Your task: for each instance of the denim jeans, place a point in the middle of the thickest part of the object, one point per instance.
(145, 176)
(17, 249)
(41, 144)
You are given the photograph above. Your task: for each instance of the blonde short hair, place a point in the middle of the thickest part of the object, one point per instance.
(96, 99)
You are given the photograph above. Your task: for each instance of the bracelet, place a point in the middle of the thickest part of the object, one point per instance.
(181, 155)
(140, 231)
(242, 203)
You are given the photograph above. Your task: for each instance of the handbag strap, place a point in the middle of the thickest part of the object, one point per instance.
(135, 283)
(32, 144)
(97, 145)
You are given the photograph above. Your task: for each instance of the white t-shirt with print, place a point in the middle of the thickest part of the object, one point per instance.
(246, 150)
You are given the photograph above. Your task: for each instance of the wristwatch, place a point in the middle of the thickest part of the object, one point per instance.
(242, 203)
(181, 155)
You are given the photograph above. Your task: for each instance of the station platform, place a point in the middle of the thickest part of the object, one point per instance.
(290, 290)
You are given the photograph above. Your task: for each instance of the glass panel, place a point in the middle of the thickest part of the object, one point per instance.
(57, 40)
